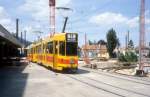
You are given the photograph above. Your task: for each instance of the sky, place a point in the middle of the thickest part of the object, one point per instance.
(93, 17)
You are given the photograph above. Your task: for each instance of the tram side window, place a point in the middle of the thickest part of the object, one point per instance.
(56, 47)
(43, 48)
(39, 49)
(50, 47)
(62, 48)
(31, 50)
(34, 50)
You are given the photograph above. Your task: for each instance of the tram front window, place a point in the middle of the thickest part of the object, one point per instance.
(71, 48)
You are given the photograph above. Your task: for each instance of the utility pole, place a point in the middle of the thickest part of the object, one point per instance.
(141, 39)
(17, 27)
(21, 37)
(25, 37)
(126, 42)
(85, 40)
(128, 38)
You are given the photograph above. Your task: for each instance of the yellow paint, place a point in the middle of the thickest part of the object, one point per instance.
(39, 48)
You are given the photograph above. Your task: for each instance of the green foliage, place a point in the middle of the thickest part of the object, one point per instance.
(131, 44)
(92, 42)
(128, 57)
(118, 43)
(121, 58)
(112, 41)
(102, 42)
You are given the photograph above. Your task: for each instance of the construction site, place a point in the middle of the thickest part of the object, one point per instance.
(55, 48)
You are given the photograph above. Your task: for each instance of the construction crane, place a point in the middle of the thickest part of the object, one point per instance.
(85, 54)
(52, 4)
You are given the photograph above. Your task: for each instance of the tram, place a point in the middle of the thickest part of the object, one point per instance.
(58, 52)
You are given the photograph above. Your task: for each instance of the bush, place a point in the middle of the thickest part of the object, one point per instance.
(122, 58)
(128, 57)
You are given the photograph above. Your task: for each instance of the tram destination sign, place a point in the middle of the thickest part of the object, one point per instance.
(71, 37)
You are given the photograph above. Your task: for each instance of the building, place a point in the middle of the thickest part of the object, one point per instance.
(96, 51)
(146, 51)
(8, 46)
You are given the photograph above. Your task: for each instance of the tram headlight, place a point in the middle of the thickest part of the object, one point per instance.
(72, 61)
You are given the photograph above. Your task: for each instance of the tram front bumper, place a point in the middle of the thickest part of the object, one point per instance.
(68, 66)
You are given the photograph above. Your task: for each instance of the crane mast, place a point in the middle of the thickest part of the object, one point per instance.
(140, 70)
(52, 4)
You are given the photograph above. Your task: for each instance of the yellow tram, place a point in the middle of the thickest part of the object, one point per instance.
(58, 52)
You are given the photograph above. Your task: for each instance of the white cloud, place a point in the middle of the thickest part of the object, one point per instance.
(134, 22)
(38, 13)
(148, 30)
(108, 19)
(147, 12)
(40, 10)
(147, 21)
(36, 9)
(116, 19)
(5, 20)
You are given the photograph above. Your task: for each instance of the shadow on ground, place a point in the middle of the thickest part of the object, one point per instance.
(68, 71)
(12, 80)
(79, 71)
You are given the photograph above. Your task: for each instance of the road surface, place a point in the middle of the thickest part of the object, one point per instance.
(37, 81)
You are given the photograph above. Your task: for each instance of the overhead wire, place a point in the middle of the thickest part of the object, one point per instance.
(94, 11)
(85, 17)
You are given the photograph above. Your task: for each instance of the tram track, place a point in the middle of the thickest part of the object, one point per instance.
(100, 85)
(122, 77)
(94, 86)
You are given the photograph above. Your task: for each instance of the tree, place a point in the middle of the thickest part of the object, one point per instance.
(90, 42)
(118, 43)
(94, 42)
(102, 42)
(112, 41)
(131, 44)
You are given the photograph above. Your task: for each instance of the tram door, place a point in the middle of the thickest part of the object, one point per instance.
(55, 55)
